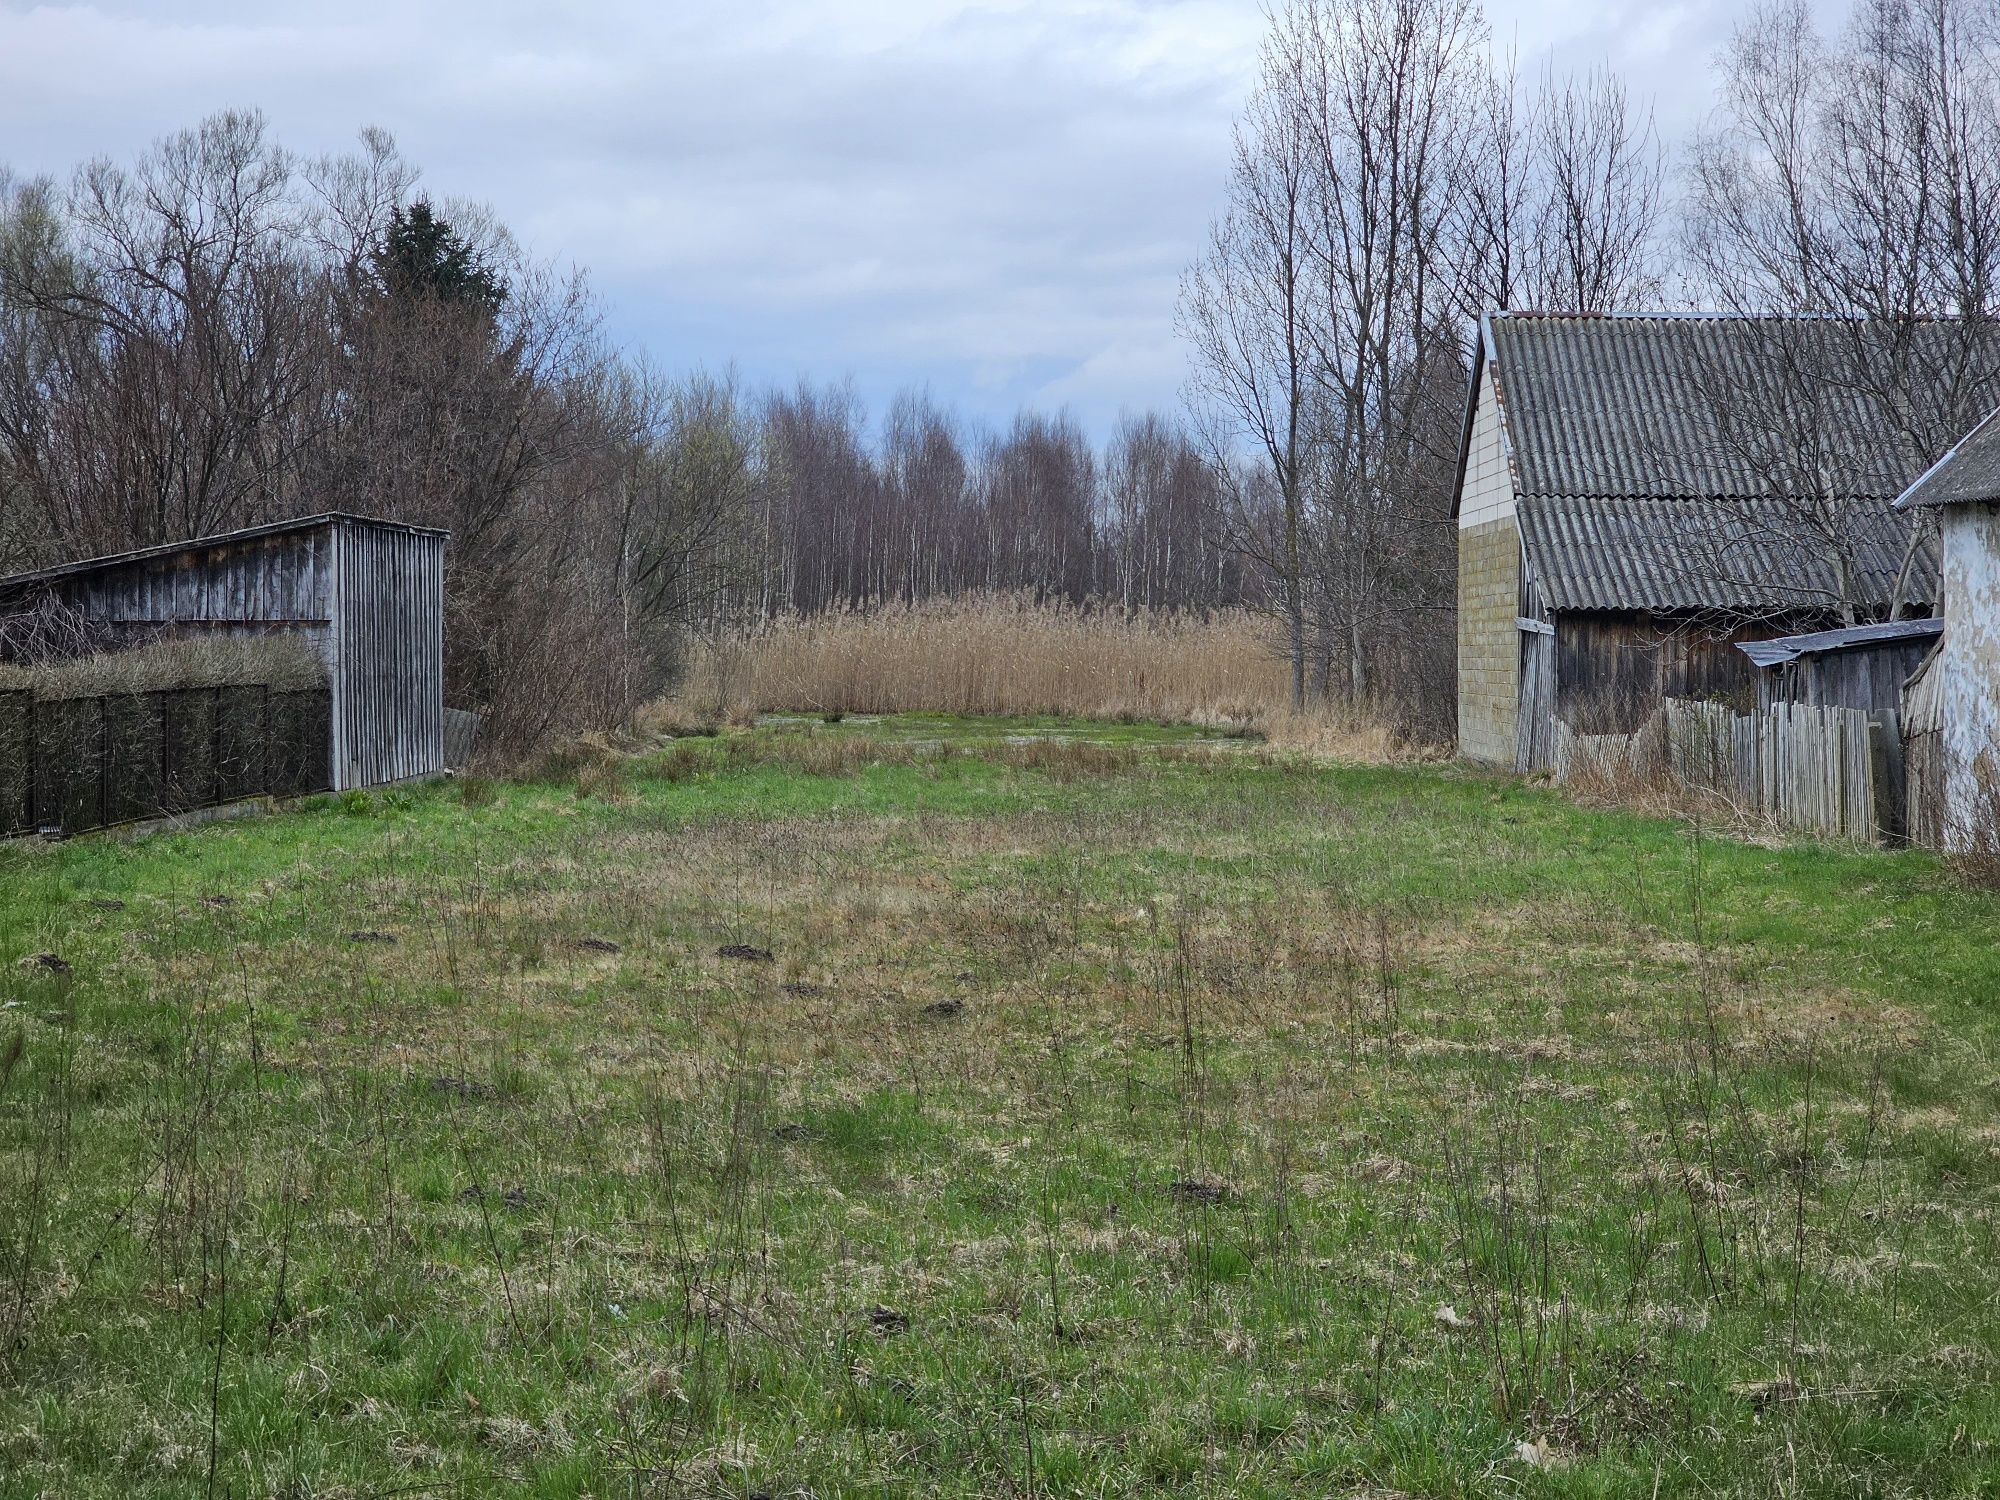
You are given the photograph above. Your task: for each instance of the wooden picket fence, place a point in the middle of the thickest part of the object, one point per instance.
(1809, 769)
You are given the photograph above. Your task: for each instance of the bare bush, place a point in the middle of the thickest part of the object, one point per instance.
(282, 662)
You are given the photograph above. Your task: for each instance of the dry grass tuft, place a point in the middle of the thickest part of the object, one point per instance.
(680, 719)
(590, 763)
(1331, 732)
(1974, 839)
(280, 661)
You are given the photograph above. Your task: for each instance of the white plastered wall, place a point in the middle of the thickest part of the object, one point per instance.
(1969, 674)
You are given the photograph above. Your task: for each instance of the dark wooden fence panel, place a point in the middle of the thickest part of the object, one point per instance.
(69, 752)
(242, 743)
(71, 764)
(134, 757)
(191, 735)
(17, 762)
(298, 730)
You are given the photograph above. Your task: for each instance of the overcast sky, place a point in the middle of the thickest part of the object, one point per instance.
(995, 199)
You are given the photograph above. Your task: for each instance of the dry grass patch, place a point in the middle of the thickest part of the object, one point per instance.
(1002, 655)
(1224, 669)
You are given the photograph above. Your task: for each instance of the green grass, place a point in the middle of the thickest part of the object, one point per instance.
(1119, 1112)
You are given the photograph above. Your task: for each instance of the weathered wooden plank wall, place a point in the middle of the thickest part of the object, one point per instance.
(1923, 757)
(389, 677)
(1534, 729)
(1812, 769)
(1613, 670)
(277, 579)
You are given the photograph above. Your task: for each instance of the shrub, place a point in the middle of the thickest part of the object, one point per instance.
(284, 662)
(606, 780)
(677, 764)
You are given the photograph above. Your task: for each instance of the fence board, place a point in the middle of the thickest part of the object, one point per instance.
(461, 734)
(1812, 769)
(17, 762)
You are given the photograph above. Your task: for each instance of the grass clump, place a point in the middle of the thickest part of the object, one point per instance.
(475, 790)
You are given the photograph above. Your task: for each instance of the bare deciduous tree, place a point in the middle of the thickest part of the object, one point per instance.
(1857, 179)
(1387, 186)
(1246, 308)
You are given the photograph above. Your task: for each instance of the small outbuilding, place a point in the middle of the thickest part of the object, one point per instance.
(1861, 666)
(366, 595)
(1952, 704)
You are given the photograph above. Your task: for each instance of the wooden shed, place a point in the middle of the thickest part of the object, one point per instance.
(367, 595)
(1860, 666)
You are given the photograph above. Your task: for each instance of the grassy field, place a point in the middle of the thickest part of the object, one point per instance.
(929, 1108)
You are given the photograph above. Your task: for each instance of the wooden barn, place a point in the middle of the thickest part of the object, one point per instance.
(1614, 550)
(367, 595)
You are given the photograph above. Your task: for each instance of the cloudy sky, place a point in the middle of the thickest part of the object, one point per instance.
(995, 199)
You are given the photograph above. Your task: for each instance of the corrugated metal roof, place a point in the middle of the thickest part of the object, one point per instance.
(223, 538)
(1682, 407)
(1789, 648)
(1969, 474)
(1739, 556)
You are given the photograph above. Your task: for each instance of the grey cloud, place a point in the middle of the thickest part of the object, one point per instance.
(994, 198)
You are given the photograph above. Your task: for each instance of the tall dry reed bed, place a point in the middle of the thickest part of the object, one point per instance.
(996, 654)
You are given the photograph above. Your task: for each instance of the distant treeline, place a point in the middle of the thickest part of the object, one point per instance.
(932, 508)
(221, 334)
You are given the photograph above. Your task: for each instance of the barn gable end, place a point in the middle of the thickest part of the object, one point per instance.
(1489, 585)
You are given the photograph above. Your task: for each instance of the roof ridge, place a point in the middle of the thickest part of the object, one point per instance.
(215, 539)
(1706, 315)
(1945, 476)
